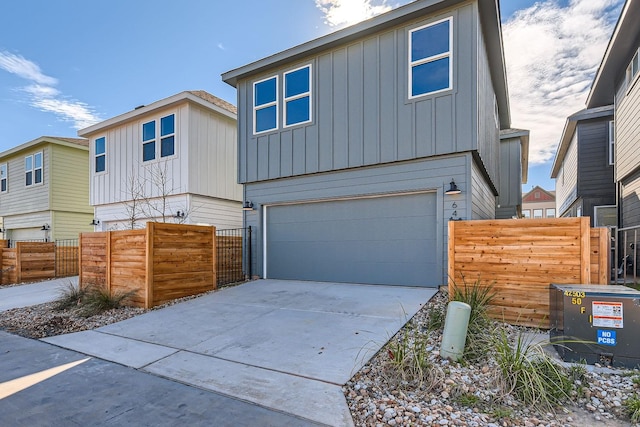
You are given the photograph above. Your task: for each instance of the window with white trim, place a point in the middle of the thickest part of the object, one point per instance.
(165, 127)
(550, 213)
(3, 178)
(612, 146)
(537, 213)
(526, 213)
(297, 96)
(632, 69)
(100, 162)
(33, 169)
(265, 105)
(430, 57)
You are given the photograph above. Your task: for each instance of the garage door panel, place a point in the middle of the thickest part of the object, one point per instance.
(385, 240)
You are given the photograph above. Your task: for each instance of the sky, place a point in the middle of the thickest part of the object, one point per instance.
(65, 65)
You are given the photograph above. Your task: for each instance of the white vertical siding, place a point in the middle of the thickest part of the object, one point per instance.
(567, 181)
(124, 158)
(213, 155)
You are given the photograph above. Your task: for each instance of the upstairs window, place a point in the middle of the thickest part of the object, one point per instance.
(612, 144)
(430, 69)
(537, 213)
(33, 169)
(100, 155)
(265, 105)
(632, 69)
(166, 128)
(550, 213)
(297, 96)
(3, 177)
(149, 141)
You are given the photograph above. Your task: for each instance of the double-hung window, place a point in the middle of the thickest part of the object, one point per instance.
(3, 178)
(430, 57)
(166, 128)
(33, 169)
(100, 154)
(265, 105)
(297, 96)
(633, 68)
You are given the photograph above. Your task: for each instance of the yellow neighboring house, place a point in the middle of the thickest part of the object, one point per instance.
(44, 190)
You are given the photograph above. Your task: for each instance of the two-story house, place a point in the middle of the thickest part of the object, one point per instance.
(170, 161)
(539, 203)
(583, 167)
(44, 189)
(357, 148)
(617, 83)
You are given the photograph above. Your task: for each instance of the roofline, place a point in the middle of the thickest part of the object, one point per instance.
(42, 140)
(570, 128)
(537, 186)
(166, 102)
(523, 135)
(609, 64)
(492, 28)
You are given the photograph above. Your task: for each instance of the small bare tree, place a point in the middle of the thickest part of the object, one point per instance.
(161, 188)
(136, 200)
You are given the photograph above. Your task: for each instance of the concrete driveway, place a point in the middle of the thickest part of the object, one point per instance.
(34, 293)
(284, 345)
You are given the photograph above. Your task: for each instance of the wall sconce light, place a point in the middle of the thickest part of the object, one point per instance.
(45, 227)
(248, 206)
(453, 188)
(179, 214)
(95, 222)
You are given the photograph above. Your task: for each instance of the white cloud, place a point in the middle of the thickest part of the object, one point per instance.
(552, 53)
(347, 12)
(44, 96)
(221, 46)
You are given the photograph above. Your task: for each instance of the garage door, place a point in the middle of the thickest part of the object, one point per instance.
(383, 240)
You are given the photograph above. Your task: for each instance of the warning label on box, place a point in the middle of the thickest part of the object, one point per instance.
(607, 314)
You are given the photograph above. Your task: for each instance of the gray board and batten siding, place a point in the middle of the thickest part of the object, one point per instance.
(361, 113)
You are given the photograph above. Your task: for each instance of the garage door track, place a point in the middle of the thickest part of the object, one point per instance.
(284, 345)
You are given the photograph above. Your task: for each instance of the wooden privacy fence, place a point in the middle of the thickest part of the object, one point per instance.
(157, 264)
(521, 258)
(33, 261)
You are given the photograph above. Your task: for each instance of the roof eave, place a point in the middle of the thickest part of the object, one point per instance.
(185, 96)
(38, 141)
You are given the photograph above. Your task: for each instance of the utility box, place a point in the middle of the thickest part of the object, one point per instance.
(596, 324)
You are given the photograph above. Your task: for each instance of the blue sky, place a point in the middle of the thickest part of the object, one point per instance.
(67, 64)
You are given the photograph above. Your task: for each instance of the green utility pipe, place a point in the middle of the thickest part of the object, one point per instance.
(455, 330)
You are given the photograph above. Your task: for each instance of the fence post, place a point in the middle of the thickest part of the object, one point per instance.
(214, 251)
(108, 262)
(585, 247)
(149, 265)
(18, 262)
(249, 260)
(80, 260)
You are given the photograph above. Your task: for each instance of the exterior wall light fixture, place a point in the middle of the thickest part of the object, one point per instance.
(453, 189)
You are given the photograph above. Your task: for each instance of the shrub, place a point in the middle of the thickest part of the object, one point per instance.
(409, 359)
(632, 406)
(97, 300)
(479, 297)
(529, 373)
(71, 296)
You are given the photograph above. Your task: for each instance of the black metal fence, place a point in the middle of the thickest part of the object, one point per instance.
(67, 257)
(229, 248)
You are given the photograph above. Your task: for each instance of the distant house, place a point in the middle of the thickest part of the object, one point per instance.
(583, 167)
(514, 167)
(617, 83)
(44, 189)
(171, 161)
(539, 203)
(357, 148)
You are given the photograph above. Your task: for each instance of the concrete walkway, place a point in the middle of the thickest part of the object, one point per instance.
(283, 345)
(35, 293)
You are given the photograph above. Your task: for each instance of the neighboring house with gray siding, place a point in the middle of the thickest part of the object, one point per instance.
(349, 143)
(583, 167)
(617, 82)
(44, 189)
(173, 160)
(514, 167)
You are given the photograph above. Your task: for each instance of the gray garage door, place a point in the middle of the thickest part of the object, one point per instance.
(383, 240)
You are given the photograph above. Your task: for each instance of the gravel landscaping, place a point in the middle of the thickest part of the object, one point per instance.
(382, 393)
